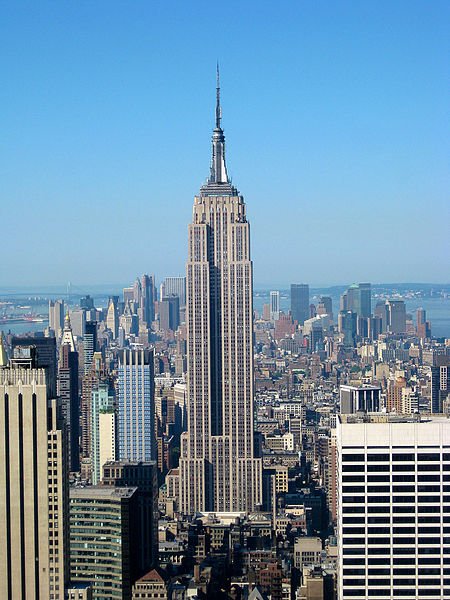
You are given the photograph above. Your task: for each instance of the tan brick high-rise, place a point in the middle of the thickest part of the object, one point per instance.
(218, 470)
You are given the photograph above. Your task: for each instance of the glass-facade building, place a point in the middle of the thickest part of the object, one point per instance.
(136, 406)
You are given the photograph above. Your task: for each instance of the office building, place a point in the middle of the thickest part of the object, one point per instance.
(175, 286)
(146, 309)
(68, 393)
(347, 325)
(218, 469)
(325, 307)
(103, 429)
(128, 294)
(364, 300)
(136, 405)
(300, 302)
(359, 398)
(39, 352)
(129, 322)
(393, 509)
(79, 591)
(103, 527)
(78, 322)
(33, 488)
(440, 382)
(143, 476)
(423, 326)
(56, 316)
(151, 586)
(358, 299)
(169, 313)
(97, 373)
(89, 344)
(307, 552)
(274, 305)
(380, 311)
(395, 316)
(112, 317)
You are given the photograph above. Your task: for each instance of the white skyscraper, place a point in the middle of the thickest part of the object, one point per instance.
(218, 470)
(393, 482)
(274, 305)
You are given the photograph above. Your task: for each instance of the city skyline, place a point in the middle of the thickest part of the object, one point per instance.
(187, 433)
(356, 143)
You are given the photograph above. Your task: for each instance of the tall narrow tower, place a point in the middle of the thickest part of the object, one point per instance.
(218, 469)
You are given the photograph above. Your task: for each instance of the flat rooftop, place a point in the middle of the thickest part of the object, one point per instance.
(101, 492)
(392, 418)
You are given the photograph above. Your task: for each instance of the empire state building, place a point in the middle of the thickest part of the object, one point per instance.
(218, 470)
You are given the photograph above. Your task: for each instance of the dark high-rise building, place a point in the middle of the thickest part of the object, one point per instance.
(218, 469)
(144, 476)
(169, 313)
(358, 299)
(147, 304)
(365, 300)
(86, 302)
(396, 316)
(381, 312)
(300, 310)
(42, 352)
(103, 533)
(89, 344)
(68, 393)
(347, 325)
(327, 304)
(440, 382)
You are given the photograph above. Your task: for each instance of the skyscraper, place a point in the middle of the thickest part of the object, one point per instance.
(144, 476)
(103, 534)
(112, 317)
(103, 429)
(169, 313)
(146, 309)
(274, 305)
(136, 406)
(68, 393)
(392, 507)
(358, 299)
(33, 488)
(56, 316)
(218, 470)
(396, 316)
(175, 286)
(89, 344)
(42, 352)
(300, 302)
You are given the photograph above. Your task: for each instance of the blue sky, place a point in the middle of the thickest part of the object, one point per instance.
(335, 115)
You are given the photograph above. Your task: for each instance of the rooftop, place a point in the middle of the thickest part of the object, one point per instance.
(393, 418)
(101, 492)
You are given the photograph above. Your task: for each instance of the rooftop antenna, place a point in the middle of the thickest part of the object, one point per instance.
(218, 109)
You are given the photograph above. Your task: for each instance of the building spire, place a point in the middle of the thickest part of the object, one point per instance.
(218, 109)
(218, 171)
(67, 336)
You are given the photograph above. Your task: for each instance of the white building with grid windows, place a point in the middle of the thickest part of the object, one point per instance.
(393, 476)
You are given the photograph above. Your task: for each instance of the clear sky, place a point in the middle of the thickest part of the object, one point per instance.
(335, 115)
